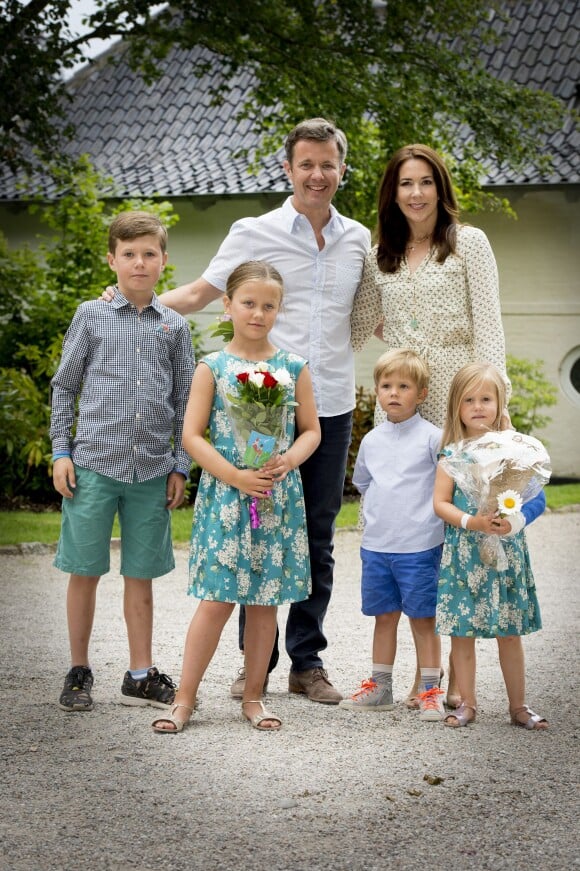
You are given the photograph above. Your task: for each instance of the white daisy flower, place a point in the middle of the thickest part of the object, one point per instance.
(509, 502)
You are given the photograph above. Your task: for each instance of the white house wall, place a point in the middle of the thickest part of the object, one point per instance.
(538, 261)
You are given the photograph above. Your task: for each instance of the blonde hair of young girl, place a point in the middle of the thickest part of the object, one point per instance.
(469, 378)
(253, 270)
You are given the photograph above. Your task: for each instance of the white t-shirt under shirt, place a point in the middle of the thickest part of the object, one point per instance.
(319, 291)
(395, 471)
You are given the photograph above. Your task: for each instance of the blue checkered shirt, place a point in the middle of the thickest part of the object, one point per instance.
(132, 373)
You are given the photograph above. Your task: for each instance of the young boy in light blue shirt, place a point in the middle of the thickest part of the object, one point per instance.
(402, 538)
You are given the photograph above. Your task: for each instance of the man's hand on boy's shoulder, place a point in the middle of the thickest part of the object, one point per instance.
(63, 477)
(175, 489)
(108, 295)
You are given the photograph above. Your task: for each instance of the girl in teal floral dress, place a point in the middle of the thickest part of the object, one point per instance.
(249, 543)
(476, 600)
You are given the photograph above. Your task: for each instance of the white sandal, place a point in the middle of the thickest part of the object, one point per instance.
(257, 719)
(171, 718)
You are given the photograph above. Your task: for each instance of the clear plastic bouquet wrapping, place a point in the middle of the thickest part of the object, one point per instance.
(258, 414)
(498, 472)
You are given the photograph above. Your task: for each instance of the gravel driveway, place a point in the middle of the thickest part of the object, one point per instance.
(333, 791)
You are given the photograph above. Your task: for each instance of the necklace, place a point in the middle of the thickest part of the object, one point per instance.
(415, 242)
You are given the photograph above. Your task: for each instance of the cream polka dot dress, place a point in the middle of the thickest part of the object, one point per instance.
(449, 313)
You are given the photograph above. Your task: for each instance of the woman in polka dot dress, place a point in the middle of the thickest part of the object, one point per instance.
(430, 284)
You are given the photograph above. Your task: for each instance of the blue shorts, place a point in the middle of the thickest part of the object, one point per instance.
(87, 522)
(404, 582)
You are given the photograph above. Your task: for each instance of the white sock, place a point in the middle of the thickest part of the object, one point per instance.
(429, 678)
(382, 673)
(139, 673)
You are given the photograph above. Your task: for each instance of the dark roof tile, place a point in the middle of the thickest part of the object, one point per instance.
(173, 140)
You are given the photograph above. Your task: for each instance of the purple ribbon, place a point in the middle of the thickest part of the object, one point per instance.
(254, 514)
(255, 522)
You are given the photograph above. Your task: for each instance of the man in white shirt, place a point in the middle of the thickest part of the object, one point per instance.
(320, 255)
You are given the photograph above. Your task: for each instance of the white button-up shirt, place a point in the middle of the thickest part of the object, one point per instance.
(319, 291)
(395, 471)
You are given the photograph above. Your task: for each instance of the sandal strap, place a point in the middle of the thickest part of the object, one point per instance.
(170, 717)
(264, 715)
(532, 720)
(460, 714)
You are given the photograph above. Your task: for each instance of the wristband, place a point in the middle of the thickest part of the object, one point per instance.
(464, 519)
(59, 456)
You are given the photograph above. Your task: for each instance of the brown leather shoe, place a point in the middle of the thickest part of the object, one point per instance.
(315, 685)
(239, 685)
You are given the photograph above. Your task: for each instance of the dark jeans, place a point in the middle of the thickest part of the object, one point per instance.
(323, 483)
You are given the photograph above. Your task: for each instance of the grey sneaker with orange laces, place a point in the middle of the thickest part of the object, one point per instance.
(371, 696)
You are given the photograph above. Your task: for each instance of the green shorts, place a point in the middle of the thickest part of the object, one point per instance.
(87, 522)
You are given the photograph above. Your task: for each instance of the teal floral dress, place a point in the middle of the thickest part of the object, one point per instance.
(476, 600)
(229, 560)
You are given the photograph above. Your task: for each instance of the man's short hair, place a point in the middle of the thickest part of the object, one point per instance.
(317, 130)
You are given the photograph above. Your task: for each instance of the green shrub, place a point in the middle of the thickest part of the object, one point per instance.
(362, 421)
(531, 392)
(39, 294)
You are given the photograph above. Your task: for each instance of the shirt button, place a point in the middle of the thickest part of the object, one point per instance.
(138, 416)
(138, 350)
(138, 384)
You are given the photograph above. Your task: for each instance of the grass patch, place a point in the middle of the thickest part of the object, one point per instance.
(562, 495)
(17, 527)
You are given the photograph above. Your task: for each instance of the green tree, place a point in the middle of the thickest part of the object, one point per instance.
(39, 293)
(389, 73)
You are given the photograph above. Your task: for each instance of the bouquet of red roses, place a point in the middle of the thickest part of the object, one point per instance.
(498, 472)
(258, 413)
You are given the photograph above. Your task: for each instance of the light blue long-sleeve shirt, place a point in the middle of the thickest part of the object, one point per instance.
(395, 471)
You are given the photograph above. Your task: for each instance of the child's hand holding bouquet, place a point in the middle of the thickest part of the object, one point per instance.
(258, 414)
(498, 472)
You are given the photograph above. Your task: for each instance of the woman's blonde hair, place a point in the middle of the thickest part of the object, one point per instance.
(468, 379)
(253, 270)
(407, 362)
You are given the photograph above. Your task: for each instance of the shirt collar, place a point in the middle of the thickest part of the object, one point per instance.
(404, 424)
(119, 301)
(291, 218)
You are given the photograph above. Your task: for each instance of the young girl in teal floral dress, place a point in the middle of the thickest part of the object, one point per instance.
(476, 600)
(249, 543)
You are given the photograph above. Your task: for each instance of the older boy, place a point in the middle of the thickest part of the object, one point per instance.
(130, 366)
(402, 538)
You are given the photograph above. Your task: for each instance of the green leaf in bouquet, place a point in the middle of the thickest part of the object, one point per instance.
(224, 329)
